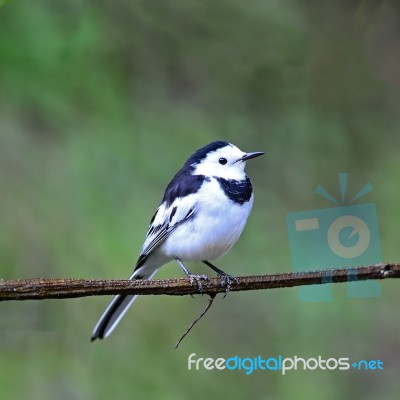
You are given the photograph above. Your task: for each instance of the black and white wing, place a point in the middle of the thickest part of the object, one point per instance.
(177, 207)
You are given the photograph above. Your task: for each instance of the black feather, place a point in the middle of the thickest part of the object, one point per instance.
(101, 330)
(237, 191)
(183, 184)
(173, 211)
(201, 154)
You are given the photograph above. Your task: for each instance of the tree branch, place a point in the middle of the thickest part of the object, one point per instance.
(201, 315)
(40, 289)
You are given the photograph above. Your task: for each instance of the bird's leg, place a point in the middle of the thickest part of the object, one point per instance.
(224, 278)
(194, 279)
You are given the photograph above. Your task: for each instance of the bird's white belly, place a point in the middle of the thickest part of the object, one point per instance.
(211, 233)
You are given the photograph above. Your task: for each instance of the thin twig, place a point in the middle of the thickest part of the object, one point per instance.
(201, 315)
(40, 289)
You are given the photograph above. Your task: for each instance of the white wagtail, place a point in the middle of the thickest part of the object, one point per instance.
(203, 213)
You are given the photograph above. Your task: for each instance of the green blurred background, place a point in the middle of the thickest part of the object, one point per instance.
(101, 103)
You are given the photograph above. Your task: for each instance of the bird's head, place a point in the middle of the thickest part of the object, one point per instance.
(221, 159)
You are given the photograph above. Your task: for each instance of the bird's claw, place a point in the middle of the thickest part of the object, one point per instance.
(226, 281)
(195, 280)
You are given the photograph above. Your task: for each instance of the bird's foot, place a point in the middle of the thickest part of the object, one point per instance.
(196, 280)
(226, 281)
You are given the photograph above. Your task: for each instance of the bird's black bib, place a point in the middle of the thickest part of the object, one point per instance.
(237, 191)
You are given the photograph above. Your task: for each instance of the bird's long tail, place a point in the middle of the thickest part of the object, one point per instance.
(116, 310)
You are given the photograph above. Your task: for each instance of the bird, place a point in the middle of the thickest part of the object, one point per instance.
(201, 216)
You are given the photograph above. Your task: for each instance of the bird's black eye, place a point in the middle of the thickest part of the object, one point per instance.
(222, 161)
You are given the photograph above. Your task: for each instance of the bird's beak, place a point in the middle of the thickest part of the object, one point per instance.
(254, 154)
